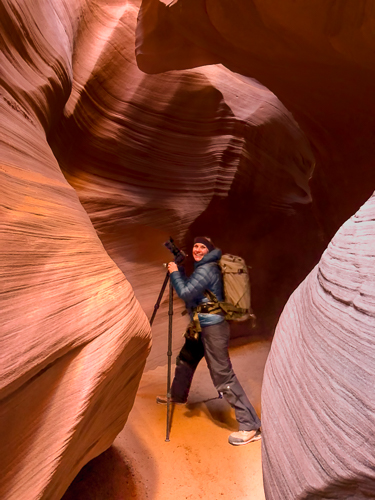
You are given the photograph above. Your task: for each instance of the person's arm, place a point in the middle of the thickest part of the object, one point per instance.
(192, 287)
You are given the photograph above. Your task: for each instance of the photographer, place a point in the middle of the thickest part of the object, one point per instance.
(209, 338)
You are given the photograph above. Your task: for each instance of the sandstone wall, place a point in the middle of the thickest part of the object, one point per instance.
(316, 56)
(74, 339)
(318, 393)
(198, 149)
(145, 157)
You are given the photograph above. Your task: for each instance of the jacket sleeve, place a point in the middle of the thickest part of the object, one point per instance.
(193, 287)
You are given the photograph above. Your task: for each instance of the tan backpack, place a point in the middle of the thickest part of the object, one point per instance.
(237, 286)
(237, 301)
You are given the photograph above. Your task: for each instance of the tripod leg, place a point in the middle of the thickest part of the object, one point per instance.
(156, 306)
(170, 314)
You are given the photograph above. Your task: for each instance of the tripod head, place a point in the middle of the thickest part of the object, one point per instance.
(179, 255)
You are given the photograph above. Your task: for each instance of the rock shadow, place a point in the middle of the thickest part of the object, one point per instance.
(107, 477)
(216, 409)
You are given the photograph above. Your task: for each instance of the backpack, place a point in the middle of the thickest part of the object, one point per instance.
(235, 280)
(236, 286)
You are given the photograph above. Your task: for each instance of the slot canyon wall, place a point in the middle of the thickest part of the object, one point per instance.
(104, 153)
(74, 339)
(318, 58)
(183, 153)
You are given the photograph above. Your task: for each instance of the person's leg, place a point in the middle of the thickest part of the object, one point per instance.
(186, 363)
(215, 340)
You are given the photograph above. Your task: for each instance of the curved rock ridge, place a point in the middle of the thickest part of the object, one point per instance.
(74, 339)
(318, 392)
(186, 152)
(316, 56)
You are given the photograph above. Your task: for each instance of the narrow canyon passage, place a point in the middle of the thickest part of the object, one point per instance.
(127, 122)
(197, 462)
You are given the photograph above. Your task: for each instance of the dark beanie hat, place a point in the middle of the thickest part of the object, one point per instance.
(205, 241)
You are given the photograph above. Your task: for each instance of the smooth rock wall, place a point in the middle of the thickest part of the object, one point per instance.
(147, 157)
(318, 392)
(74, 339)
(190, 151)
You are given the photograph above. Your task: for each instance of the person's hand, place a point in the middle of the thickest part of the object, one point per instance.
(172, 267)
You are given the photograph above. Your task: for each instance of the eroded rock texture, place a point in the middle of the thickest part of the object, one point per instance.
(318, 58)
(318, 395)
(74, 339)
(190, 151)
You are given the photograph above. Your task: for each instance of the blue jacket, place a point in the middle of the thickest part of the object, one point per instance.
(206, 276)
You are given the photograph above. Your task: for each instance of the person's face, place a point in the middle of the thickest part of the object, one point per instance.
(199, 251)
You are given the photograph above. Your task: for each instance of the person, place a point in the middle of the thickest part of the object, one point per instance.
(212, 342)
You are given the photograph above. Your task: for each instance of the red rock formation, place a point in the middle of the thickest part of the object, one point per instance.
(317, 57)
(149, 156)
(74, 338)
(318, 392)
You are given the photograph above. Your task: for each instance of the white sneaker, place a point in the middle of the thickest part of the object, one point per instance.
(244, 437)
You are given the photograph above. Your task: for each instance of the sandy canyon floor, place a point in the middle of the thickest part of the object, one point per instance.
(197, 462)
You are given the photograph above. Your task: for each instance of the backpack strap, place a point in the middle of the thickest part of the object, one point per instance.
(216, 307)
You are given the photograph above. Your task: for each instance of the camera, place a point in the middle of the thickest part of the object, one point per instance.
(179, 255)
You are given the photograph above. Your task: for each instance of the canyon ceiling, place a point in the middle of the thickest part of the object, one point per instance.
(123, 123)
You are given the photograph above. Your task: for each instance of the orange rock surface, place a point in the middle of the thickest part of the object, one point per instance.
(102, 157)
(316, 56)
(183, 153)
(197, 461)
(74, 339)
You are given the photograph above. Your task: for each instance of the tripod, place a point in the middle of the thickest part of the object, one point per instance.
(169, 352)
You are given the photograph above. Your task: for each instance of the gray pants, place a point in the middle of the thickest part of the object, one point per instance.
(213, 345)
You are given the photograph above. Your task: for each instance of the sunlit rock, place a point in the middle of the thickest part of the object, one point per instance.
(74, 339)
(199, 149)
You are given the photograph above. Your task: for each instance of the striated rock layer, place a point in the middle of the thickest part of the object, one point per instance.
(190, 151)
(318, 391)
(145, 157)
(74, 339)
(318, 58)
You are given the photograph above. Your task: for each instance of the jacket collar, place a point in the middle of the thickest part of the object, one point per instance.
(212, 256)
